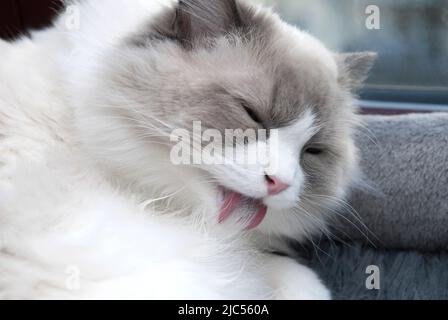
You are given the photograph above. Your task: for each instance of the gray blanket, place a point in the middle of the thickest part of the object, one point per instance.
(403, 205)
(403, 198)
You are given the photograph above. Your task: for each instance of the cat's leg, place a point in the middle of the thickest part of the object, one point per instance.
(293, 281)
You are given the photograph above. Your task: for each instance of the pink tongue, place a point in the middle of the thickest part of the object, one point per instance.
(259, 216)
(233, 200)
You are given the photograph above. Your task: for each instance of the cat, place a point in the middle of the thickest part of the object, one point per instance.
(91, 205)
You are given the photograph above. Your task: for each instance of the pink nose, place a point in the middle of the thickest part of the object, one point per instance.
(275, 185)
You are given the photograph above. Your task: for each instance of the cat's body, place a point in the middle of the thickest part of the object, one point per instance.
(90, 208)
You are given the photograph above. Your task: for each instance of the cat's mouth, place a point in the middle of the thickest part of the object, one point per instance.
(251, 211)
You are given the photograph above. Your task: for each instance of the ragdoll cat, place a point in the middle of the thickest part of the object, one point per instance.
(91, 203)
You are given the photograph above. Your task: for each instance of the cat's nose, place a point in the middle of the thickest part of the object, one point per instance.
(275, 185)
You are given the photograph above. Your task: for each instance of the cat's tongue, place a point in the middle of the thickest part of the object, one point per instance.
(233, 201)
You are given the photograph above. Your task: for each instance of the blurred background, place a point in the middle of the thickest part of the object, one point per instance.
(412, 43)
(19, 16)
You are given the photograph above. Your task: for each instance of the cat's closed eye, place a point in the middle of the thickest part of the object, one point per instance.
(251, 113)
(314, 151)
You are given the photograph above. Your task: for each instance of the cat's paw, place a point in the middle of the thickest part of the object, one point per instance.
(303, 289)
(293, 281)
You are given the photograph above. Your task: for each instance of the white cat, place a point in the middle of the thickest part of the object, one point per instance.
(91, 207)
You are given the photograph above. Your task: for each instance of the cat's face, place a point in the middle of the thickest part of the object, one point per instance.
(230, 66)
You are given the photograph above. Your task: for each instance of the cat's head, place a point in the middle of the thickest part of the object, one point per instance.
(229, 65)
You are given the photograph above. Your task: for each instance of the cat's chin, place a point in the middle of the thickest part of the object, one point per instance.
(247, 211)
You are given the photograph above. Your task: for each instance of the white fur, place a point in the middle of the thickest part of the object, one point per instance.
(58, 214)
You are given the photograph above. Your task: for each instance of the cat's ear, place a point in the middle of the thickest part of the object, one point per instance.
(202, 19)
(354, 68)
(194, 22)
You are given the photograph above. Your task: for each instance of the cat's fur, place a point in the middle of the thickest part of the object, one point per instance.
(87, 189)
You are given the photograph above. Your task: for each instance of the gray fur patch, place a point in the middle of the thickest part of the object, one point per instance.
(231, 66)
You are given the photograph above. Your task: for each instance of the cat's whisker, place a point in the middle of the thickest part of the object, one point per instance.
(334, 211)
(349, 209)
(134, 109)
(318, 223)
